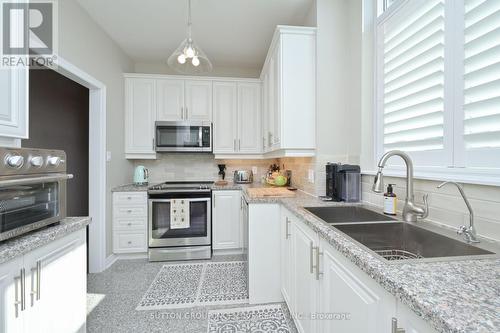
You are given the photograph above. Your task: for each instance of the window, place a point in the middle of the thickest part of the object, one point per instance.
(438, 83)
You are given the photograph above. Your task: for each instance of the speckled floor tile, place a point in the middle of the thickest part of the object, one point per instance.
(114, 294)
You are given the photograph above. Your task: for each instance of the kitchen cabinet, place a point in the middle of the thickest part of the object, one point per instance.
(227, 224)
(14, 102)
(289, 76)
(183, 100)
(53, 297)
(130, 222)
(170, 99)
(407, 320)
(237, 118)
(305, 287)
(358, 303)
(225, 117)
(140, 117)
(286, 256)
(198, 100)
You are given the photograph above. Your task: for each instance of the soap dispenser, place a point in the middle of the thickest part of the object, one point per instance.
(390, 201)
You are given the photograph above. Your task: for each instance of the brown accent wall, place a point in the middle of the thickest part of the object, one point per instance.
(59, 119)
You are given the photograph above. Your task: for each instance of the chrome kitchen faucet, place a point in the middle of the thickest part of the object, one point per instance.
(410, 211)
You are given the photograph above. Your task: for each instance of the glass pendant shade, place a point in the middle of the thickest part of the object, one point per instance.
(188, 58)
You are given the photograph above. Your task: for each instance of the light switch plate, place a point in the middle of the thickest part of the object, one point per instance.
(310, 176)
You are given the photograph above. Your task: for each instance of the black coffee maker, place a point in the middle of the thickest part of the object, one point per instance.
(343, 182)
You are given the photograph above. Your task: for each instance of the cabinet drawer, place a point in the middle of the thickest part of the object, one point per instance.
(127, 198)
(123, 223)
(130, 211)
(125, 242)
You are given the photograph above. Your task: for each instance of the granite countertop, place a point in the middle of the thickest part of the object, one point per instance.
(131, 188)
(458, 296)
(21, 245)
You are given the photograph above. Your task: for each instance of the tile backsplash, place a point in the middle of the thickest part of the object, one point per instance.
(446, 206)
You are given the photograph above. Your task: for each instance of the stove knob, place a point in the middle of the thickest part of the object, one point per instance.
(15, 161)
(54, 161)
(37, 161)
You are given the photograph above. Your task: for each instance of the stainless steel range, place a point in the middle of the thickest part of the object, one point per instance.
(32, 189)
(180, 221)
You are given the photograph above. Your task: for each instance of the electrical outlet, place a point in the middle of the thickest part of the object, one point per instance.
(254, 170)
(310, 176)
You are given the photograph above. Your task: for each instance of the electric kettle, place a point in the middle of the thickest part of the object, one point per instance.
(141, 175)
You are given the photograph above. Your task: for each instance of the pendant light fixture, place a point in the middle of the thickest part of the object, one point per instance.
(188, 58)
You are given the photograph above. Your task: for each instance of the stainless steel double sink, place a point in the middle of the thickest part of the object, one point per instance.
(394, 240)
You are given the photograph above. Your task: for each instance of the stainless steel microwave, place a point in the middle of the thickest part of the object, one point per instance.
(183, 136)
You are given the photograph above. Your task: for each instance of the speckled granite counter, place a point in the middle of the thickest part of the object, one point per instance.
(21, 245)
(131, 188)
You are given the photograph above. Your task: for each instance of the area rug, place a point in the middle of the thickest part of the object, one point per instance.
(186, 285)
(256, 319)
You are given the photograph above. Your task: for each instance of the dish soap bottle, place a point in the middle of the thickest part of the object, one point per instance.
(390, 201)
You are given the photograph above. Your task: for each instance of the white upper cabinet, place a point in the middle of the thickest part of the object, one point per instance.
(198, 95)
(14, 102)
(170, 100)
(290, 96)
(237, 117)
(225, 117)
(140, 116)
(249, 118)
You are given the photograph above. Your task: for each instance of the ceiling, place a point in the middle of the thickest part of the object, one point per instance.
(233, 33)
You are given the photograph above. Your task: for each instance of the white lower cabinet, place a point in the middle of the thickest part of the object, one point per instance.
(130, 222)
(226, 220)
(45, 290)
(305, 286)
(326, 293)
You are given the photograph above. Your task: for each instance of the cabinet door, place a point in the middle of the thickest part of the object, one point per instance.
(140, 111)
(410, 322)
(198, 100)
(11, 316)
(249, 118)
(170, 100)
(271, 96)
(265, 112)
(57, 302)
(305, 285)
(225, 117)
(226, 220)
(276, 114)
(286, 257)
(353, 302)
(14, 102)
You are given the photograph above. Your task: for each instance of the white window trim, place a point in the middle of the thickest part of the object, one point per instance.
(457, 172)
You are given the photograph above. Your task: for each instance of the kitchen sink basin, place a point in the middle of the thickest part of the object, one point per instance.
(400, 240)
(349, 214)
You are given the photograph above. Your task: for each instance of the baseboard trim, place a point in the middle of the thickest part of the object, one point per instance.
(227, 252)
(124, 256)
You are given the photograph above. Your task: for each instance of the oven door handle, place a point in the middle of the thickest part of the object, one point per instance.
(35, 180)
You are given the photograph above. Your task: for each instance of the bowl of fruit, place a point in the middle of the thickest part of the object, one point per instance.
(275, 177)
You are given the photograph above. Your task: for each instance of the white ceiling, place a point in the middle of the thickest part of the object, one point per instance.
(233, 33)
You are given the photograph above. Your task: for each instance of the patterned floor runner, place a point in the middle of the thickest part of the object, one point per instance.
(187, 285)
(257, 319)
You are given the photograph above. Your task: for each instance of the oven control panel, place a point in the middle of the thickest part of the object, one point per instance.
(23, 161)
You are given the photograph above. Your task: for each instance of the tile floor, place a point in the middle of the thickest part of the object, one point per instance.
(113, 296)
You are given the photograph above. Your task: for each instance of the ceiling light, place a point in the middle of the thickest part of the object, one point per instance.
(189, 50)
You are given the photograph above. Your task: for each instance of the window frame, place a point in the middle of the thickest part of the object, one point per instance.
(456, 156)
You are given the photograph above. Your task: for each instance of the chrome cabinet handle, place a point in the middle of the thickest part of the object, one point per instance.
(153, 143)
(35, 282)
(263, 143)
(129, 224)
(287, 230)
(182, 112)
(239, 144)
(186, 113)
(234, 144)
(129, 211)
(17, 297)
(311, 257)
(318, 254)
(129, 242)
(394, 327)
(23, 289)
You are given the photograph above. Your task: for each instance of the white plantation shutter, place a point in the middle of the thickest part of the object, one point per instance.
(412, 90)
(481, 107)
(438, 85)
